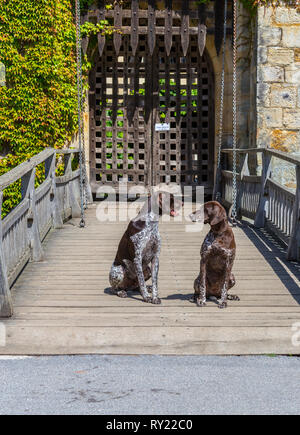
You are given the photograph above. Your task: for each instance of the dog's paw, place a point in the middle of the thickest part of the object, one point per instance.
(200, 303)
(193, 299)
(222, 305)
(147, 299)
(233, 298)
(156, 301)
(122, 294)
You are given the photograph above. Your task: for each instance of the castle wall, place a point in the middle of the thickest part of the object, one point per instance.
(278, 85)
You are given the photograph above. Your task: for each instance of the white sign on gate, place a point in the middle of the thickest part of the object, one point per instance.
(162, 127)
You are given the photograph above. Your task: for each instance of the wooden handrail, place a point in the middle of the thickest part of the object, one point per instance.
(41, 208)
(277, 206)
(295, 160)
(16, 173)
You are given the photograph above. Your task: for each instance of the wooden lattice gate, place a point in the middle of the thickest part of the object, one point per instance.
(137, 87)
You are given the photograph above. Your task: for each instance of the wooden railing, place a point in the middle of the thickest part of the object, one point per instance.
(267, 202)
(40, 209)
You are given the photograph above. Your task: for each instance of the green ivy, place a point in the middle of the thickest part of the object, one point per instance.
(38, 103)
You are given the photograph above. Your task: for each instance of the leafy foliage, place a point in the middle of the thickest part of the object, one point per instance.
(38, 105)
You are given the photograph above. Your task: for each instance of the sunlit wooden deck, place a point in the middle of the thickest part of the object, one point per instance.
(63, 305)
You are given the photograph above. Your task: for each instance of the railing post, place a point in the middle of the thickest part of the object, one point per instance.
(260, 216)
(293, 252)
(6, 306)
(243, 172)
(28, 191)
(76, 212)
(89, 195)
(50, 172)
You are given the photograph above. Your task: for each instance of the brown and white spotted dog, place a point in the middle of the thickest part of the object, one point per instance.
(217, 257)
(140, 246)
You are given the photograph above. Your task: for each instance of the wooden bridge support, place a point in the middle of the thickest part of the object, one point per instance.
(260, 216)
(50, 173)
(75, 207)
(6, 306)
(28, 192)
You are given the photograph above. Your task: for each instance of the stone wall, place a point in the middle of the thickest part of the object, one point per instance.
(278, 85)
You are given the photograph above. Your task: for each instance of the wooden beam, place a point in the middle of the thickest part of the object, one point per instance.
(134, 26)
(260, 212)
(202, 29)
(28, 192)
(6, 306)
(219, 24)
(57, 221)
(168, 26)
(151, 26)
(118, 25)
(101, 17)
(17, 172)
(76, 211)
(185, 27)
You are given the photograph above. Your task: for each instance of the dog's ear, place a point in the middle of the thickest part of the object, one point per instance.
(218, 214)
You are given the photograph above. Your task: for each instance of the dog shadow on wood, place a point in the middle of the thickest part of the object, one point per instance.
(179, 296)
(131, 294)
(135, 294)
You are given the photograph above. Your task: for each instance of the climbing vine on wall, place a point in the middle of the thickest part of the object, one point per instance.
(38, 103)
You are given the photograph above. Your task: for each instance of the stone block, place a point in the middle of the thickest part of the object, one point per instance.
(263, 138)
(285, 140)
(265, 16)
(292, 74)
(291, 118)
(270, 117)
(262, 54)
(280, 56)
(263, 90)
(291, 36)
(268, 73)
(283, 96)
(286, 16)
(273, 117)
(269, 36)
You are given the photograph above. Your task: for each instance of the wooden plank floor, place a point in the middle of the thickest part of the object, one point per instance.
(63, 305)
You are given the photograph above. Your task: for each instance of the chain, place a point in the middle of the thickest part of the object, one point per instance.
(234, 124)
(85, 178)
(217, 195)
(79, 107)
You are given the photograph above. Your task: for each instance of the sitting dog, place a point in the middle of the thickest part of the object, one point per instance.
(217, 257)
(139, 246)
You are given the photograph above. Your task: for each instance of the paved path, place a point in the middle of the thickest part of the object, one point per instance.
(99, 384)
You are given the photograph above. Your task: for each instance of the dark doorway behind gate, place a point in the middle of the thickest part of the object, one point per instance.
(133, 94)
